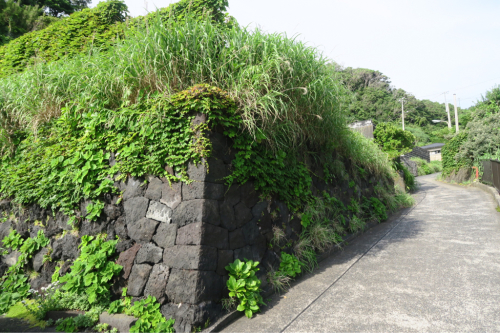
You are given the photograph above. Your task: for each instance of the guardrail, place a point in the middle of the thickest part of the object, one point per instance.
(491, 173)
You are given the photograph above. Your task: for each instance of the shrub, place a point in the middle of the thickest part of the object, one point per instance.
(392, 140)
(451, 159)
(97, 27)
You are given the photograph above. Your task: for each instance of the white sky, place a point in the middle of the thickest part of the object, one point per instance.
(426, 47)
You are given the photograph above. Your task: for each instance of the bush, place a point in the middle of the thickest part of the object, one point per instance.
(452, 160)
(392, 140)
(90, 28)
(425, 168)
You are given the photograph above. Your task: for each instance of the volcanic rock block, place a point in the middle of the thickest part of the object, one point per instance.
(134, 188)
(157, 282)
(138, 279)
(154, 189)
(202, 190)
(165, 235)
(224, 258)
(65, 248)
(38, 259)
(202, 234)
(189, 286)
(199, 210)
(142, 231)
(227, 218)
(126, 259)
(135, 209)
(191, 257)
(171, 194)
(149, 253)
(213, 174)
(159, 212)
(242, 214)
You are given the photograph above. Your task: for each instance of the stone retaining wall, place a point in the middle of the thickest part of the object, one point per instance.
(176, 239)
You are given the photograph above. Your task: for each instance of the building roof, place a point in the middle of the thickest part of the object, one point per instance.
(433, 146)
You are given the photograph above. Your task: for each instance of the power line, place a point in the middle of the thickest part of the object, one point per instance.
(475, 84)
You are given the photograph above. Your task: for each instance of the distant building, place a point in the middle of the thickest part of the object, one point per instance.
(364, 127)
(434, 151)
(428, 153)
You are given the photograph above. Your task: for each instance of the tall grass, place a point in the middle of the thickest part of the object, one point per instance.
(286, 93)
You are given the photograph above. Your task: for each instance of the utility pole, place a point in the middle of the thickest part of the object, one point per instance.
(402, 112)
(456, 112)
(447, 109)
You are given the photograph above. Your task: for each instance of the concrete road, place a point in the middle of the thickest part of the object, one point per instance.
(434, 269)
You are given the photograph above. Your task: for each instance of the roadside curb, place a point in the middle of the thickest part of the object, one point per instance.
(230, 317)
(488, 189)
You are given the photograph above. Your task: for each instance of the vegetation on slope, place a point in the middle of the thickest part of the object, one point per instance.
(374, 98)
(277, 99)
(481, 138)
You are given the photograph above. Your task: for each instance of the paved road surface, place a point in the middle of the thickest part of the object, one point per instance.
(435, 269)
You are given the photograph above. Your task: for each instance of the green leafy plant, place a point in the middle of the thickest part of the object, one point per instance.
(289, 265)
(13, 240)
(392, 140)
(150, 317)
(379, 208)
(67, 325)
(244, 285)
(92, 271)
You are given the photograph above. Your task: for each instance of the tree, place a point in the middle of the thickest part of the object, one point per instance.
(58, 8)
(392, 140)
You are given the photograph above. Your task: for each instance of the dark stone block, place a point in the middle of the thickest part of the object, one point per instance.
(265, 222)
(215, 172)
(189, 316)
(126, 259)
(92, 227)
(250, 232)
(38, 259)
(61, 221)
(220, 147)
(154, 189)
(142, 231)
(111, 212)
(165, 235)
(134, 188)
(191, 257)
(137, 279)
(236, 239)
(121, 228)
(65, 248)
(202, 190)
(242, 214)
(5, 229)
(203, 234)
(171, 194)
(259, 209)
(249, 195)
(199, 210)
(225, 258)
(135, 209)
(157, 283)
(270, 260)
(252, 252)
(189, 286)
(232, 194)
(124, 245)
(190, 234)
(227, 218)
(149, 254)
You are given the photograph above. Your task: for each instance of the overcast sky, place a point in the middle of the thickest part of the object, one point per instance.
(426, 47)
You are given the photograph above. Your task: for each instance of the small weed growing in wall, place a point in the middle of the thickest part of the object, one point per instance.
(244, 286)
